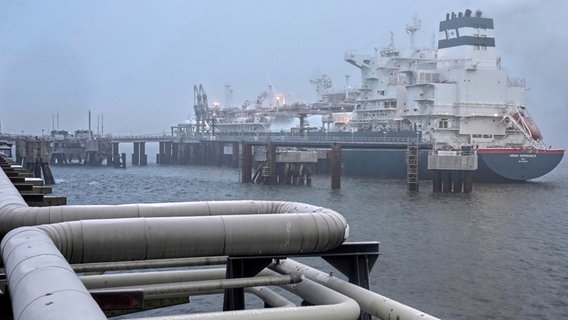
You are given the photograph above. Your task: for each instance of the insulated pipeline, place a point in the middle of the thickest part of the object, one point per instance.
(240, 221)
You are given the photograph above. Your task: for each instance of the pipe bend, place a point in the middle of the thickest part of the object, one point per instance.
(14, 212)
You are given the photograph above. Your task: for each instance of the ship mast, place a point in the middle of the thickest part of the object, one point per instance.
(412, 29)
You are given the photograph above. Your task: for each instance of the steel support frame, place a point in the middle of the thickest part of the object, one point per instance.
(354, 259)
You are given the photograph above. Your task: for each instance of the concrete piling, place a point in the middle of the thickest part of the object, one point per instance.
(452, 170)
(335, 156)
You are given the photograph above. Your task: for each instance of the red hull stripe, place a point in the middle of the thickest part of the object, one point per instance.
(519, 150)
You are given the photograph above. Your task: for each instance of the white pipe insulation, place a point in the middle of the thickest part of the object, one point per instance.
(370, 302)
(328, 304)
(125, 232)
(42, 284)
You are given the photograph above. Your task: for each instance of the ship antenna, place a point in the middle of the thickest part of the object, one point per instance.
(411, 29)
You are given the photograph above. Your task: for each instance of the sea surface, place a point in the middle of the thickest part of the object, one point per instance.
(500, 252)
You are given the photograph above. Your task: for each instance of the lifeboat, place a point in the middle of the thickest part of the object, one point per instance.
(526, 122)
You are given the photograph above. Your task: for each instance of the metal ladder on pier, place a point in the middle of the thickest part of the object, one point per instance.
(412, 166)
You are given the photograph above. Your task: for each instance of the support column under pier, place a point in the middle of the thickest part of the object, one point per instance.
(436, 181)
(235, 158)
(136, 154)
(143, 155)
(168, 152)
(467, 181)
(247, 164)
(446, 181)
(139, 157)
(165, 153)
(35, 155)
(184, 153)
(114, 158)
(452, 170)
(335, 157)
(271, 161)
(457, 181)
(175, 153)
(218, 153)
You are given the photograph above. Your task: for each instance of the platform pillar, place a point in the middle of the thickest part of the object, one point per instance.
(436, 181)
(457, 181)
(175, 153)
(219, 153)
(271, 162)
(143, 156)
(335, 157)
(467, 181)
(446, 181)
(136, 154)
(247, 163)
(235, 158)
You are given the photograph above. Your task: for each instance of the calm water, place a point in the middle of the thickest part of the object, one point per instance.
(500, 252)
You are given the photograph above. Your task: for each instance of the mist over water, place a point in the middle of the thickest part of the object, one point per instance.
(500, 252)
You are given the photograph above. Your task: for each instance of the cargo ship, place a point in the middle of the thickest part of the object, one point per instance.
(450, 98)
(453, 96)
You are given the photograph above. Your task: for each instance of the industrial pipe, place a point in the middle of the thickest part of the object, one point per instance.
(41, 282)
(177, 237)
(130, 279)
(43, 285)
(370, 302)
(214, 228)
(326, 227)
(139, 279)
(148, 264)
(328, 305)
(169, 290)
(270, 297)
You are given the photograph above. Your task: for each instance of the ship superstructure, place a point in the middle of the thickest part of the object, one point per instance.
(454, 96)
(450, 98)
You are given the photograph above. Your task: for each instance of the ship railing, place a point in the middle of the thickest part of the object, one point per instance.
(316, 138)
(453, 153)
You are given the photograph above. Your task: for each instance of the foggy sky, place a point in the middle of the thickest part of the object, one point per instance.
(136, 62)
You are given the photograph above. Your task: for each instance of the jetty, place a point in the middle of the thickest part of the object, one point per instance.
(265, 157)
(76, 262)
(285, 158)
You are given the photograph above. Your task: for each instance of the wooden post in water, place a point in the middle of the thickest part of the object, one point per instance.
(335, 157)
